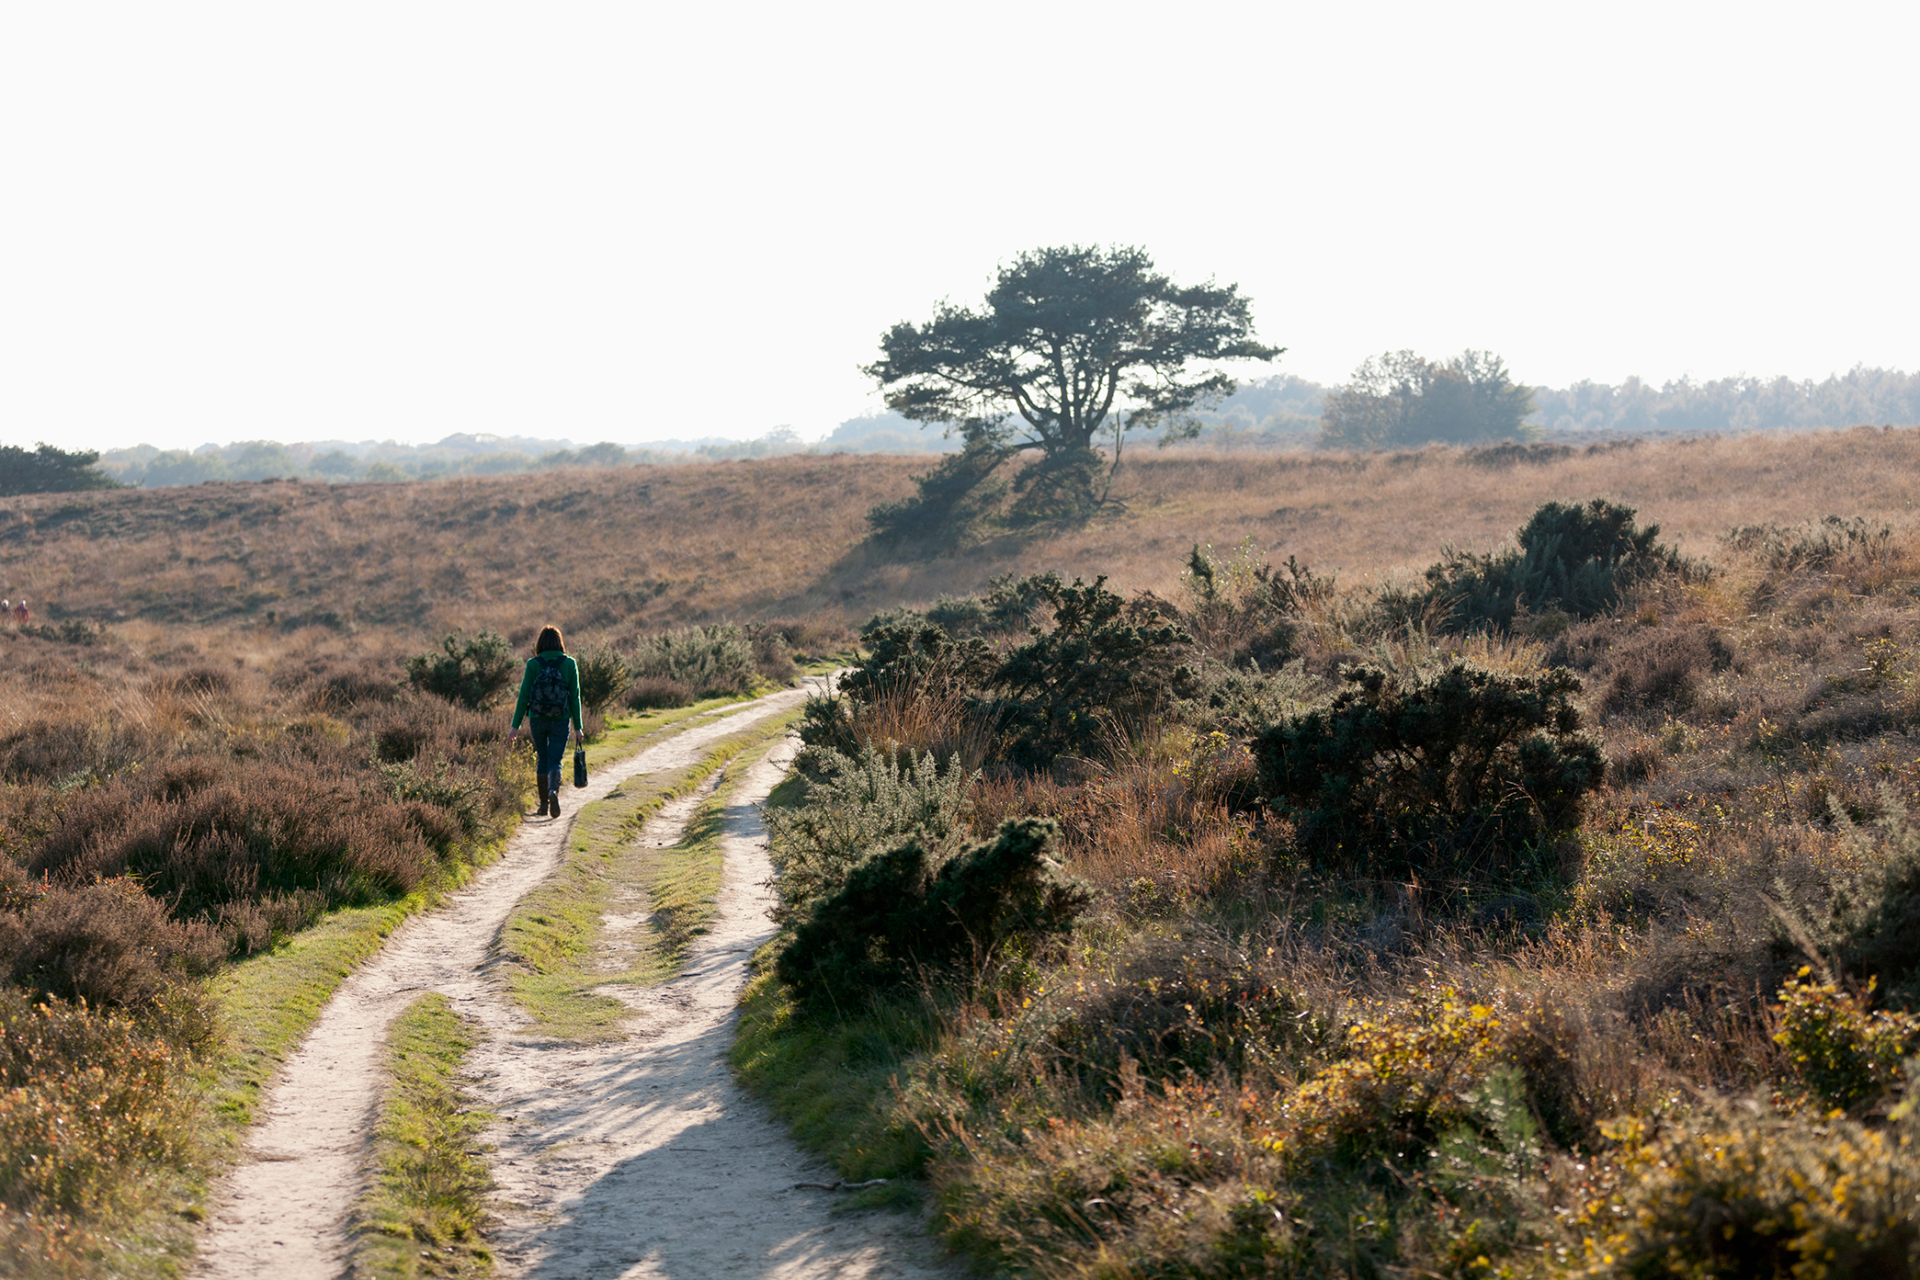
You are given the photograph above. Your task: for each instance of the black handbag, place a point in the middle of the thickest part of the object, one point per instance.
(580, 766)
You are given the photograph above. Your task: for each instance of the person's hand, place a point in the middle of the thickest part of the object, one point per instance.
(579, 738)
(511, 737)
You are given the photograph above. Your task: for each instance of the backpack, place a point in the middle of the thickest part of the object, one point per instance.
(550, 698)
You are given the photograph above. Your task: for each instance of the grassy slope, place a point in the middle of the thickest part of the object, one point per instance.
(647, 547)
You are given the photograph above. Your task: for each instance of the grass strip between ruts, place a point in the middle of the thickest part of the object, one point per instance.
(425, 1210)
(556, 936)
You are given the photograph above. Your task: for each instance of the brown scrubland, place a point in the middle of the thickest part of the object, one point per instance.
(1249, 1056)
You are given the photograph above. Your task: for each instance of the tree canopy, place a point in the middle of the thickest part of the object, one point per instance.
(1401, 399)
(1071, 342)
(50, 470)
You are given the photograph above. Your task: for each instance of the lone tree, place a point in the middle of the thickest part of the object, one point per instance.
(1401, 399)
(1074, 344)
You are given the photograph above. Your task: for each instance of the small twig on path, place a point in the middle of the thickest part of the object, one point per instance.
(839, 1184)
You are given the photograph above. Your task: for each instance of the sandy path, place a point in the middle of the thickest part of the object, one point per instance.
(645, 1159)
(283, 1211)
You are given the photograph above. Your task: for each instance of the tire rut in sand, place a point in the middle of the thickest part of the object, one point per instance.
(284, 1210)
(645, 1158)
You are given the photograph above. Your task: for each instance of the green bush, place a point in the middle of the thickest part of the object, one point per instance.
(1570, 557)
(714, 661)
(867, 802)
(603, 676)
(1105, 665)
(903, 914)
(1427, 770)
(474, 672)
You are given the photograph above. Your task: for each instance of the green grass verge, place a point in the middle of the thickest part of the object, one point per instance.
(268, 1002)
(556, 937)
(834, 1077)
(424, 1212)
(627, 731)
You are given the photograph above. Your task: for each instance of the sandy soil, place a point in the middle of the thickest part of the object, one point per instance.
(645, 1159)
(582, 1158)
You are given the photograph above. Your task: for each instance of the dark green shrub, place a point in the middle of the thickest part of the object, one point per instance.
(1570, 557)
(603, 676)
(1105, 665)
(1874, 925)
(1410, 770)
(902, 914)
(473, 672)
(923, 658)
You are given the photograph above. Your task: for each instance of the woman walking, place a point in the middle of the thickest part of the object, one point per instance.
(550, 693)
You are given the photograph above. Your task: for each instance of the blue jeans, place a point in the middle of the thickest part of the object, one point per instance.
(549, 745)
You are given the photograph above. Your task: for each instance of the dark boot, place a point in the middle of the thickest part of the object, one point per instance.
(553, 794)
(541, 812)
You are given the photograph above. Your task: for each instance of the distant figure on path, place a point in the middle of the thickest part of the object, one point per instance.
(550, 692)
(6, 611)
(21, 614)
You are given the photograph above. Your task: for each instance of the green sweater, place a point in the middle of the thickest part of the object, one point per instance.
(573, 686)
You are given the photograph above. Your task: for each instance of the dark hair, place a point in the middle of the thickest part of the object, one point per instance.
(549, 641)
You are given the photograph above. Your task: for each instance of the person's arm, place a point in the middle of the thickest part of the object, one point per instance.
(579, 721)
(520, 704)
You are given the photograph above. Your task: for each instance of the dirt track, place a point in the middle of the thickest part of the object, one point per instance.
(636, 1159)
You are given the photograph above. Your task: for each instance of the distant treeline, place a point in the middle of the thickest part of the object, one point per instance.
(1877, 397)
(1281, 411)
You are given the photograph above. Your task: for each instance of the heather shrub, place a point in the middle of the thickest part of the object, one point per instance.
(1732, 1192)
(339, 684)
(903, 913)
(1577, 559)
(1662, 667)
(645, 693)
(1817, 545)
(868, 802)
(253, 835)
(714, 661)
(473, 672)
(412, 727)
(105, 944)
(1432, 771)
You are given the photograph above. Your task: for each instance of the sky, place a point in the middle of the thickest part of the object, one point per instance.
(638, 221)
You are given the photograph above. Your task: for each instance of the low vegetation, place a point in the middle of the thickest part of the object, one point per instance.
(1522, 932)
(219, 791)
(201, 839)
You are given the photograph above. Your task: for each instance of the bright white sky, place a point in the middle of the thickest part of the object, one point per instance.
(634, 221)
